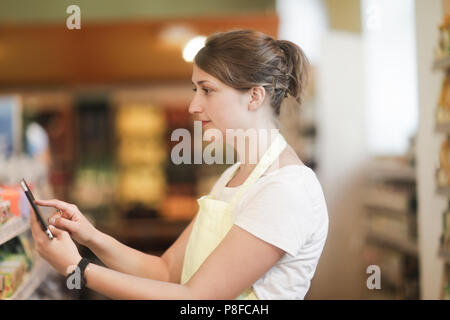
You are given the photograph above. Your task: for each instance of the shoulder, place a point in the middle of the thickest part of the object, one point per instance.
(277, 209)
(292, 193)
(291, 180)
(287, 158)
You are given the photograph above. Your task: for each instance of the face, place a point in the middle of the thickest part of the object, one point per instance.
(218, 105)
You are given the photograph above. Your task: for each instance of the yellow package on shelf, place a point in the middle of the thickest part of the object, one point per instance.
(12, 272)
(140, 120)
(141, 151)
(443, 108)
(142, 184)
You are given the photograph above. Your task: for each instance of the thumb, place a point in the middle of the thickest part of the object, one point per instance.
(64, 223)
(55, 231)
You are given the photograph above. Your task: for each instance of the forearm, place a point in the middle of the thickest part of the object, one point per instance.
(124, 259)
(118, 285)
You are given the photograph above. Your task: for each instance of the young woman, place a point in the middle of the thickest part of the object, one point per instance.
(259, 233)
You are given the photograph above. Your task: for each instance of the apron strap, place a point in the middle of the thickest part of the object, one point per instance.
(269, 157)
(221, 184)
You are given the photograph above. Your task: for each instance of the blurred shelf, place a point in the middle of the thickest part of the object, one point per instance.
(12, 228)
(406, 246)
(443, 128)
(445, 254)
(389, 199)
(442, 64)
(443, 191)
(392, 171)
(32, 280)
(379, 208)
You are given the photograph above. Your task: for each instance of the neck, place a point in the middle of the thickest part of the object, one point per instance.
(251, 146)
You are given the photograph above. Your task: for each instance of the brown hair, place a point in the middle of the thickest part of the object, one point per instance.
(243, 59)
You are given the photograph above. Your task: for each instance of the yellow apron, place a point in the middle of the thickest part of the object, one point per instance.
(215, 218)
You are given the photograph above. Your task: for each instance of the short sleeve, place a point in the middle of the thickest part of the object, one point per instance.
(276, 211)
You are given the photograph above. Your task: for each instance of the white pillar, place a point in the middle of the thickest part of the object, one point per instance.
(431, 206)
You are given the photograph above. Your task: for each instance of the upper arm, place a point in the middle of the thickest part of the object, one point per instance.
(237, 262)
(174, 256)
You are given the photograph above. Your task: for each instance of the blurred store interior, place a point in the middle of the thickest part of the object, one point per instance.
(86, 116)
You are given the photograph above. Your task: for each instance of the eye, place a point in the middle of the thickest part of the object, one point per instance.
(194, 89)
(207, 91)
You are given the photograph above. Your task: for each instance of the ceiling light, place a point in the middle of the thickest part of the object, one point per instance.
(192, 47)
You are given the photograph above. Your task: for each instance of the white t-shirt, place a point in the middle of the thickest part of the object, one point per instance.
(287, 209)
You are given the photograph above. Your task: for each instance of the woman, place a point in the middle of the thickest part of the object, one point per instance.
(260, 232)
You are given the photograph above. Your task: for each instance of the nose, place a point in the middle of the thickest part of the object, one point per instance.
(194, 107)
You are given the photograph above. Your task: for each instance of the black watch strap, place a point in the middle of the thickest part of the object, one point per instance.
(82, 265)
(80, 268)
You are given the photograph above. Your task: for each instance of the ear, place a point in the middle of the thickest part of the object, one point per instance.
(257, 96)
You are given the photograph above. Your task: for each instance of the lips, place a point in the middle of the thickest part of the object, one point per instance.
(204, 123)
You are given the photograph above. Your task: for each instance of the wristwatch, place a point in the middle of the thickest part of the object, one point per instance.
(80, 270)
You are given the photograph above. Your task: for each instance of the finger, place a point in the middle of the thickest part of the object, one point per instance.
(65, 207)
(65, 224)
(53, 217)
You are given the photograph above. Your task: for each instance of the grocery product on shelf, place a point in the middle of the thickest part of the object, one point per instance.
(399, 279)
(15, 261)
(141, 153)
(442, 61)
(390, 201)
(446, 230)
(14, 195)
(5, 211)
(140, 120)
(443, 107)
(446, 283)
(10, 125)
(443, 172)
(9, 275)
(442, 49)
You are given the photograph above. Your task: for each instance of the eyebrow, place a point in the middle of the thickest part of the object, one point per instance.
(200, 82)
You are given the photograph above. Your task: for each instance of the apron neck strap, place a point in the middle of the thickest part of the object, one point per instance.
(268, 158)
(222, 184)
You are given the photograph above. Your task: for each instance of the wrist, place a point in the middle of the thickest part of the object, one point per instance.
(76, 279)
(71, 267)
(95, 239)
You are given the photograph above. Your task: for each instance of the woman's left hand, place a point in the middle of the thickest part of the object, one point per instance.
(61, 252)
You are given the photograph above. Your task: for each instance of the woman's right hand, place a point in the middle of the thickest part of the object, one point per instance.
(69, 218)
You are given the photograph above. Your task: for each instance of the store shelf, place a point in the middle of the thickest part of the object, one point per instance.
(12, 228)
(392, 171)
(405, 246)
(443, 191)
(442, 64)
(445, 254)
(388, 199)
(378, 208)
(32, 280)
(443, 128)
